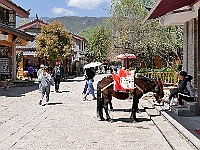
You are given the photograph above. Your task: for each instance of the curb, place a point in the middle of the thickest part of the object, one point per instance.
(183, 131)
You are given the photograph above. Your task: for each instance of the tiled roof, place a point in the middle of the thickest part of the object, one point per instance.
(29, 45)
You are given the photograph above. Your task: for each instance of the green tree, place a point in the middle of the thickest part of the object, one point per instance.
(54, 43)
(130, 35)
(99, 43)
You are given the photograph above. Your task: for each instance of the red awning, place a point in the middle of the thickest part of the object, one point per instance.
(163, 7)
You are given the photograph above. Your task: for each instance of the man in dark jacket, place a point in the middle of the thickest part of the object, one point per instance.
(56, 74)
(183, 79)
(90, 73)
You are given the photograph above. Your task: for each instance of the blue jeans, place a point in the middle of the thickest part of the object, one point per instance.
(90, 87)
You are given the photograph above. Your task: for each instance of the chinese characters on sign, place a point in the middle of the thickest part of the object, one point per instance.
(4, 66)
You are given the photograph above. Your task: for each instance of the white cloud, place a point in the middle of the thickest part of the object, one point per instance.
(62, 11)
(86, 4)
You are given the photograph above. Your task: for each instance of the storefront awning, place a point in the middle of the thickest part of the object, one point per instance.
(162, 7)
(9, 30)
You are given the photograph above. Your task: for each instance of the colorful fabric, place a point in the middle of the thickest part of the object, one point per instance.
(123, 81)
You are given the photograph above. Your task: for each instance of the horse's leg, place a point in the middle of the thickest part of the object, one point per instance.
(101, 110)
(100, 102)
(134, 109)
(106, 111)
(111, 106)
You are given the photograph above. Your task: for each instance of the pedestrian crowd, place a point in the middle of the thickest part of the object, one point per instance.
(46, 79)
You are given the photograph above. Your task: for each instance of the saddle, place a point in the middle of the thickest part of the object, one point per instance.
(124, 81)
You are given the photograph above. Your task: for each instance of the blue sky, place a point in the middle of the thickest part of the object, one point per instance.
(58, 8)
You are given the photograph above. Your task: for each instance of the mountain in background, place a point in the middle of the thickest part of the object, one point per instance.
(73, 24)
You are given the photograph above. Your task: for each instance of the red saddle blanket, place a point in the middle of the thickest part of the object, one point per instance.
(123, 81)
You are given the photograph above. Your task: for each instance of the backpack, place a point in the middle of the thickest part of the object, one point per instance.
(190, 89)
(57, 71)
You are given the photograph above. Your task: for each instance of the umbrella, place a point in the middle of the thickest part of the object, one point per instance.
(121, 56)
(92, 64)
(98, 64)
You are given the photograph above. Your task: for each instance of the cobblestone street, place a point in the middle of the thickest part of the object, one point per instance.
(68, 122)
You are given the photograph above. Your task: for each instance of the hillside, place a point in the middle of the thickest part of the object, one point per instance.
(75, 24)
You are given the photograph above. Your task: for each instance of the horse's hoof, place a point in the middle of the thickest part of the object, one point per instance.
(112, 110)
(134, 120)
(109, 120)
(102, 119)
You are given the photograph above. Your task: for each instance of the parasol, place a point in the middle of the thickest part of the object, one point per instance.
(121, 56)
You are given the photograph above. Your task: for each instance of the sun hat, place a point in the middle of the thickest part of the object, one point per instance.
(41, 66)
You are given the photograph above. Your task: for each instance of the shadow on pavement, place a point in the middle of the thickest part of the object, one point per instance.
(58, 103)
(190, 123)
(128, 120)
(18, 91)
(76, 80)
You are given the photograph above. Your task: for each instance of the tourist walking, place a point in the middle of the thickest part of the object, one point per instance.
(38, 73)
(45, 79)
(30, 72)
(90, 73)
(56, 74)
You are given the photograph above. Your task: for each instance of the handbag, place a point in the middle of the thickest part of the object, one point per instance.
(52, 82)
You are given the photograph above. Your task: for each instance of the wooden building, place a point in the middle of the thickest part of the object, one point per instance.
(29, 58)
(28, 51)
(10, 37)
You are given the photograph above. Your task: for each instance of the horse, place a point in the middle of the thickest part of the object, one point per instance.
(105, 92)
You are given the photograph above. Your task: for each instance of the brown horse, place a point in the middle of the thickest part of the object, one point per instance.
(142, 85)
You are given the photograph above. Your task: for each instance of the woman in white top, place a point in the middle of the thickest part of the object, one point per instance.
(45, 79)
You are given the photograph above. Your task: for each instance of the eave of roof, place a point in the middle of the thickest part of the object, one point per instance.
(32, 23)
(162, 7)
(8, 30)
(79, 38)
(19, 10)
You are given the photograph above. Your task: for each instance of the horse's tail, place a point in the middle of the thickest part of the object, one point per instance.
(99, 99)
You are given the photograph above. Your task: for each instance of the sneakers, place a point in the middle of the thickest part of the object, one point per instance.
(94, 98)
(40, 102)
(84, 98)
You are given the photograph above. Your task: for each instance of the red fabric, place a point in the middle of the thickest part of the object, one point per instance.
(197, 131)
(117, 84)
(123, 73)
(116, 77)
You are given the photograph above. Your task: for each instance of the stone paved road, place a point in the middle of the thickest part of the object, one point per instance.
(70, 123)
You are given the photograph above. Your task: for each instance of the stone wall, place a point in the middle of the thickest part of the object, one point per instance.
(190, 49)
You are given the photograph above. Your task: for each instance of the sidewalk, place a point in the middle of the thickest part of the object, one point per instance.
(192, 124)
(70, 123)
(189, 127)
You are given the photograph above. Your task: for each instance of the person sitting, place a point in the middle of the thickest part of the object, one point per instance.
(184, 80)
